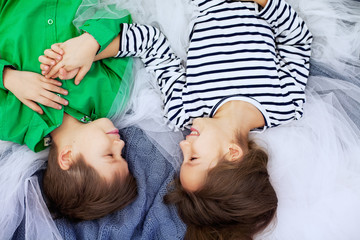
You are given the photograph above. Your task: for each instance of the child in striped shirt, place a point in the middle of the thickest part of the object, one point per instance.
(246, 70)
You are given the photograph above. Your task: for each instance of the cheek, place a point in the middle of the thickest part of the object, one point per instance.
(124, 169)
(96, 139)
(206, 148)
(192, 180)
(182, 174)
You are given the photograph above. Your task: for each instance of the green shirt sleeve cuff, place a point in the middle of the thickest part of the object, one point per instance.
(3, 64)
(103, 28)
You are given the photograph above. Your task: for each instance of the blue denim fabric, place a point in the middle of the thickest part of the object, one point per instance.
(147, 217)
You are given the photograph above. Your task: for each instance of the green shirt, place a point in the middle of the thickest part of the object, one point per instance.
(27, 28)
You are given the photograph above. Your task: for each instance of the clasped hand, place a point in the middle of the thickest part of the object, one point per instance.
(70, 59)
(67, 60)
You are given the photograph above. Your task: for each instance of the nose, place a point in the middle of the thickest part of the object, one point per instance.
(117, 148)
(186, 149)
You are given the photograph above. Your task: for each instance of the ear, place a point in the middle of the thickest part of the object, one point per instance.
(235, 152)
(65, 158)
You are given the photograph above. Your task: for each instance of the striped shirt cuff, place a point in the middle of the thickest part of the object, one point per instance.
(122, 47)
(268, 11)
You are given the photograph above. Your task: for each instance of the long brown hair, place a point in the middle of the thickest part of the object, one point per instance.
(236, 202)
(80, 193)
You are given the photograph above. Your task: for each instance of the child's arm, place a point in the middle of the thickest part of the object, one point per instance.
(69, 67)
(292, 38)
(101, 29)
(151, 46)
(18, 121)
(135, 40)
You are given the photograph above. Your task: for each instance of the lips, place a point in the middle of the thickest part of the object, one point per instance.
(194, 132)
(115, 131)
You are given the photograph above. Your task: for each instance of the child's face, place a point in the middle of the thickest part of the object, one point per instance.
(202, 150)
(100, 145)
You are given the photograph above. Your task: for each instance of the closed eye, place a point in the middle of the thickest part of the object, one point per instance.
(110, 158)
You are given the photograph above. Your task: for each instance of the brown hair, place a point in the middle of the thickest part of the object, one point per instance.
(80, 193)
(236, 202)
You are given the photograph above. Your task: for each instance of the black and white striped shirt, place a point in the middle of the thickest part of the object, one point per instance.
(236, 52)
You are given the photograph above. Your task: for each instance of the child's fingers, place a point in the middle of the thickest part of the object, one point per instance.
(47, 61)
(81, 74)
(56, 75)
(45, 71)
(56, 48)
(33, 106)
(53, 55)
(53, 82)
(54, 69)
(49, 100)
(64, 75)
(44, 67)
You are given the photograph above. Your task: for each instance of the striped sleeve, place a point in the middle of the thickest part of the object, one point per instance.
(151, 46)
(293, 40)
(200, 2)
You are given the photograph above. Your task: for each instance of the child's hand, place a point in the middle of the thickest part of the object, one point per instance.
(47, 63)
(77, 53)
(51, 57)
(31, 88)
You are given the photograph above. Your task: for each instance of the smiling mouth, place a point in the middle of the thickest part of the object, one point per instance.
(194, 132)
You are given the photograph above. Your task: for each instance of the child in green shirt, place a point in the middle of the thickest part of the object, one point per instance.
(86, 176)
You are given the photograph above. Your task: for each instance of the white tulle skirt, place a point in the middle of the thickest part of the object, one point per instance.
(315, 169)
(314, 162)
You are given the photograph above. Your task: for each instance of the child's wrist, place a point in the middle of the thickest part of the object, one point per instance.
(6, 77)
(262, 3)
(93, 43)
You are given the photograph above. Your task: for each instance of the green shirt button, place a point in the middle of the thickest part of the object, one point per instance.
(50, 21)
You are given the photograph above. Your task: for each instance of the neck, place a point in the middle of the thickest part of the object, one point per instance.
(66, 131)
(240, 116)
